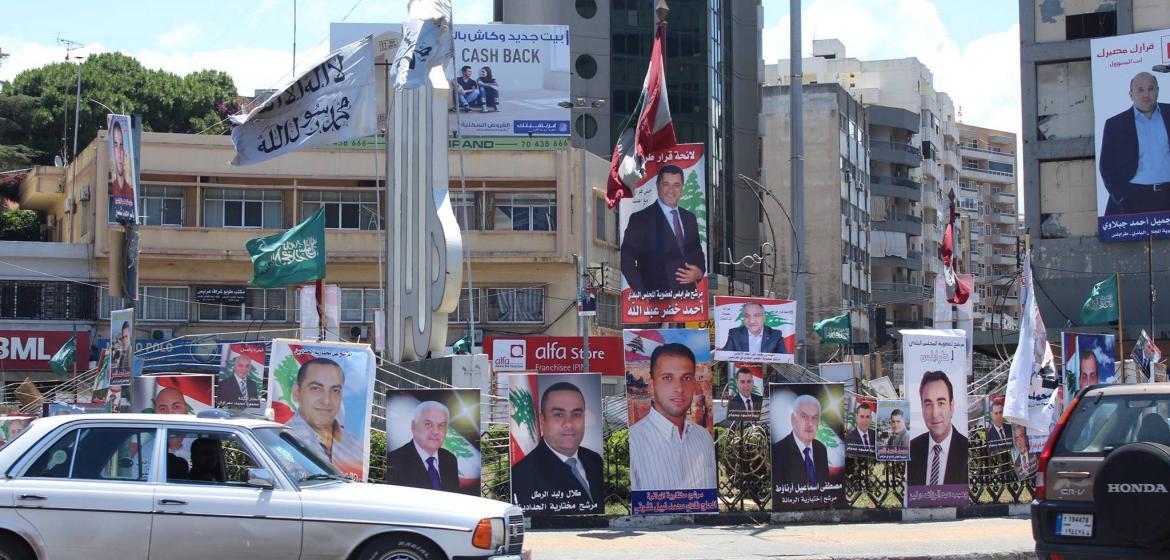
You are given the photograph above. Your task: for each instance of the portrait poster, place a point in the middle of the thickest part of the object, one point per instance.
(756, 330)
(12, 426)
(998, 432)
(808, 450)
(325, 386)
(935, 369)
(1088, 360)
(672, 435)
(664, 240)
(883, 388)
(587, 302)
(1132, 199)
(893, 425)
(441, 424)
(122, 346)
(860, 428)
(171, 394)
(743, 391)
(242, 368)
(557, 418)
(1024, 458)
(123, 182)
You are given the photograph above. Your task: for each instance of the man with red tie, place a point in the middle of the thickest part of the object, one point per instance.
(661, 249)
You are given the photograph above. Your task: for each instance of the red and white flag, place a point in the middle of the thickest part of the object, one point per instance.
(957, 289)
(654, 130)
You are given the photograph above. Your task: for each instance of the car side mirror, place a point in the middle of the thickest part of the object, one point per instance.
(261, 478)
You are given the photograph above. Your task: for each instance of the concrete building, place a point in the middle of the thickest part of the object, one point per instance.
(197, 211)
(1059, 165)
(712, 73)
(913, 171)
(986, 202)
(837, 223)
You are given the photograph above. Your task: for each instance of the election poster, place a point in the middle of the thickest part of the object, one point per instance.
(893, 425)
(122, 346)
(1024, 458)
(557, 443)
(935, 369)
(123, 182)
(432, 439)
(507, 79)
(664, 240)
(668, 398)
(861, 431)
(241, 375)
(171, 394)
(808, 450)
(744, 392)
(998, 432)
(756, 330)
(1133, 198)
(325, 387)
(1088, 360)
(12, 426)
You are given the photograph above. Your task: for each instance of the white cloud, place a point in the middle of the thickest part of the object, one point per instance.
(179, 36)
(24, 55)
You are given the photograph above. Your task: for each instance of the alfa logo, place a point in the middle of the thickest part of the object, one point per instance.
(1147, 488)
(509, 354)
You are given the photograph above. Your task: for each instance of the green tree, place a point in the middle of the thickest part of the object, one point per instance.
(19, 225)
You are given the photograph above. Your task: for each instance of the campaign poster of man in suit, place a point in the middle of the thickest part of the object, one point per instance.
(557, 467)
(998, 432)
(744, 392)
(1132, 132)
(241, 374)
(893, 425)
(664, 240)
(121, 346)
(754, 330)
(432, 439)
(808, 451)
(861, 437)
(935, 373)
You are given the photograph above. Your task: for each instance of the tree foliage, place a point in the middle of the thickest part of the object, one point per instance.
(19, 225)
(35, 105)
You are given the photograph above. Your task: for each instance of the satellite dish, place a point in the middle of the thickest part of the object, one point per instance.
(58, 162)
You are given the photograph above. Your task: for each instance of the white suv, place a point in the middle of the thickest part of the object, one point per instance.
(102, 486)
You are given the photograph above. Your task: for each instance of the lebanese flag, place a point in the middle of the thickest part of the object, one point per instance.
(523, 432)
(654, 130)
(641, 343)
(957, 290)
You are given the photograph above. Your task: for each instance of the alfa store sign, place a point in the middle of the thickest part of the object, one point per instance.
(32, 350)
(555, 354)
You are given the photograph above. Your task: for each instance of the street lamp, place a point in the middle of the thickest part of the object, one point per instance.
(583, 106)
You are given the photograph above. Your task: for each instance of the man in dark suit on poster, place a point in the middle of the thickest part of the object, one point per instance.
(661, 248)
(744, 405)
(558, 465)
(238, 390)
(863, 436)
(422, 462)
(938, 456)
(753, 336)
(1135, 152)
(800, 459)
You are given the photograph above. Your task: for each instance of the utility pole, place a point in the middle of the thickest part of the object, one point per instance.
(71, 46)
(796, 109)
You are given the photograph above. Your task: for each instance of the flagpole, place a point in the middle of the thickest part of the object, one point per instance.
(320, 309)
(1150, 275)
(1120, 325)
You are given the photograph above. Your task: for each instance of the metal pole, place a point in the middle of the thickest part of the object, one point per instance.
(797, 134)
(77, 108)
(1150, 273)
(586, 215)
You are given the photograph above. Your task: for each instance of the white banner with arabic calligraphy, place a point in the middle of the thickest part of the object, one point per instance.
(1133, 180)
(334, 101)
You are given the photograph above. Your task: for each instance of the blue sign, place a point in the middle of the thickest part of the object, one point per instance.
(555, 128)
(1134, 227)
(198, 354)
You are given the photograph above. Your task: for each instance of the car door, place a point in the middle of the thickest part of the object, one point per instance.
(87, 492)
(205, 509)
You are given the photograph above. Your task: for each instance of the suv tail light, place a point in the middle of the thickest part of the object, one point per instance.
(1042, 467)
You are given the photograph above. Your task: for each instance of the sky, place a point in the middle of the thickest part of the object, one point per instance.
(972, 47)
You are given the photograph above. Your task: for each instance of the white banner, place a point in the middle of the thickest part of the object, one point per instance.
(1031, 387)
(332, 102)
(310, 322)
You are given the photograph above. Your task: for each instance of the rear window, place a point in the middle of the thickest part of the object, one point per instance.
(1102, 424)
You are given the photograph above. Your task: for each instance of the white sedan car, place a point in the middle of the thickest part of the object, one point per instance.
(139, 486)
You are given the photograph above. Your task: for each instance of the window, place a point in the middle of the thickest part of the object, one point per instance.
(163, 303)
(604, 222)
(46, 300)
(526, 212)
(265, 305)
(463, 312)
(586, 126)
(1093, 24)
(586, 66)
(358, 304)
(609, 309)
(515, 305)
(463, 205)
(343, 209)
(162, 206)
(216, 458)
(242, 209)
(97, 454)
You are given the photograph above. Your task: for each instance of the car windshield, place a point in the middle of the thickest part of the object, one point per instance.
(303, 465)
(1101, 424)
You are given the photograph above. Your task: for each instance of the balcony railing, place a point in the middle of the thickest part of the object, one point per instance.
(899, 146)
(885, 292)
(989, 171)
(904, 223)
(898, 187)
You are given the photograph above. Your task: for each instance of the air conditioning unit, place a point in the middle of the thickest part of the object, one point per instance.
(162, 334)
(69, 205)
(360, 332)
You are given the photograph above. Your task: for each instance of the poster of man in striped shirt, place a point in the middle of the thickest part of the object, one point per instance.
(672, 448)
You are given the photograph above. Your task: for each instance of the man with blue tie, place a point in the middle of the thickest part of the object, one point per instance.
(660, 248)
(799, 459)
(422, 462)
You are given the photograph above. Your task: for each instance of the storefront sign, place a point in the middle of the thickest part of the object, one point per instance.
(224, 295)
(555, 354)
(31, 350)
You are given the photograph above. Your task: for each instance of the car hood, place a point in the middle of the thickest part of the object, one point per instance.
(389, 504)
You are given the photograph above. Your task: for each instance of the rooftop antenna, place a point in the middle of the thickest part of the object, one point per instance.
(71, 46)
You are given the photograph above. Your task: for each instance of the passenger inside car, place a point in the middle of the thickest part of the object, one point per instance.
(206, 461)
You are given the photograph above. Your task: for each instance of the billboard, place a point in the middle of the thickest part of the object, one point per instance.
(935, 367)
(123, 185)
(894, 422)
(744, 392)
(664, 240)
(508, 78)
(1088, 360)
(170, 394)
(1130, 130)
(22, 350)
(241, 375)
(122, 348)
(755, 329)
(808, 451)
(441, 425)
(861, 437)
(554, 354)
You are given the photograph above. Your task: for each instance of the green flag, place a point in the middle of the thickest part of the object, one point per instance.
(65, 357)
(1101, 307)
(835, 330)
(296, 256)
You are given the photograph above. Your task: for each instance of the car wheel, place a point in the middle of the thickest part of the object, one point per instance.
(12, 548)
(1132, 492)
(400, 547)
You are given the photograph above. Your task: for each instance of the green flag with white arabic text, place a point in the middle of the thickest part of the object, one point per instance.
(296, 256)
(835, 330)
(65, 357)
(1101, 307)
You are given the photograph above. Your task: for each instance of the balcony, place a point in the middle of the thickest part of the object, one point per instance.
(893, 117)
(999, 239)
(1005, 260)
(989, 175)
(1004, 198)
(990, 155)
(895, 152)
(902, 223)
(895, 187)
(913, 261)
(1005, 218)
(887, 292)
(974, 236)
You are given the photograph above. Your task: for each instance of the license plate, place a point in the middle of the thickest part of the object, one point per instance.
(1074, 524)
